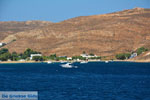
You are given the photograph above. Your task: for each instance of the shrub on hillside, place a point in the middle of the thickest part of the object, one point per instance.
(141, 50)
(123, 56)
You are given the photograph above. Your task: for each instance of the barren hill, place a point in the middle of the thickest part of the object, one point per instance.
(103, 35)
(12, 27)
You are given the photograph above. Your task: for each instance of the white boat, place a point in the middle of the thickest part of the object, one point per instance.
(84, 62)
(106, 61)
(68, 65)
(49, 62)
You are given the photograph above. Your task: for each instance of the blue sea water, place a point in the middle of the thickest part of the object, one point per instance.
(92, 81)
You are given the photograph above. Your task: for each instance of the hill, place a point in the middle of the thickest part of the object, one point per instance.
(103, 35)
(12, 27)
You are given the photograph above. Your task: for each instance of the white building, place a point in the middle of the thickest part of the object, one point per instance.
(87, 56)
(34, 55)
(22, 60)
(8, 60)
(133, 55)
(2, 44)
(69, 58)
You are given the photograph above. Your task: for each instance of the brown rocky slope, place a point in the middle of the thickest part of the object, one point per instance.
(12, 27)
(103, 35)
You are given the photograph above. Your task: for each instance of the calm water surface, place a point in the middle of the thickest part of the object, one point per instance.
(92, 81)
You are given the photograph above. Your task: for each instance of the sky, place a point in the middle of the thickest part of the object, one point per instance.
(59, 10)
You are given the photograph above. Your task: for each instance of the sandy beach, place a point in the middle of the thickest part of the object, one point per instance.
(8, 62)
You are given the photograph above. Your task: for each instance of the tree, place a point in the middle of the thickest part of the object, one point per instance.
(53, 56)
(123, 56)
(127, 55)
(45, 58)
(13, 40)
(78, 57)
(28, 52)
(62, 58)
(95, 57)
(83, 52)
(91, 54)
(57, 59)
(14, 56)
(5, 56)
(141, 50)
(3, 50)
(38, 58)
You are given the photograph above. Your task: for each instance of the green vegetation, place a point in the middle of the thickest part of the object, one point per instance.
(53, 57)
(45, 58)
(95, 57)
(28, 52)
(5, 55)
(123, 56)
(4, 50)
(141, 50)
(37, 58)
(78, 57)
(91, 54)
(14, 56)
(83, 52)
(62, 58)
(13, 40)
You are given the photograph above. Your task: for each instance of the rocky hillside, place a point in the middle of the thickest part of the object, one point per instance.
(12, 27)
(103, 35)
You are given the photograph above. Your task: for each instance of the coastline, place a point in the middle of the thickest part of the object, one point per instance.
(15, 62)
(9, 62)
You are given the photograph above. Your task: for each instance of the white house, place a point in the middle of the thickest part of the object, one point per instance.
(34, 55)
(87, 56)
(84, 55)
(69, 58)
(63, 56)
(2, 44)
(133, 55)
(22, 60)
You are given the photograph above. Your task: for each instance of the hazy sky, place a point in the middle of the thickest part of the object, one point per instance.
(59, 10)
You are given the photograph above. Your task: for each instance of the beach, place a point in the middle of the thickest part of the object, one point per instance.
(9, 62)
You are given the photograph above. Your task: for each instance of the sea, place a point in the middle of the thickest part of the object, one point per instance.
(86, 81)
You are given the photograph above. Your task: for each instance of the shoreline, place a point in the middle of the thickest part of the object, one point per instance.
(15, 62)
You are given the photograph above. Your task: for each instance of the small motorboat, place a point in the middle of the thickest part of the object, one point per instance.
(84, 62)
(106, 61)
(68, 65)
(49, 62)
